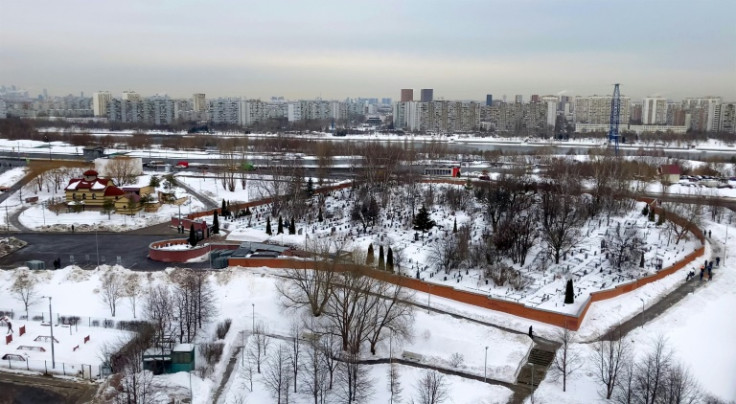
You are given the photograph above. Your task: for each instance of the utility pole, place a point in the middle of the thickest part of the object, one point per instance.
(51, 326)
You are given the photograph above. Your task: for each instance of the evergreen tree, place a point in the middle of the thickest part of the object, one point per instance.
(247, 211)
(310, 187)
(215, 224)
(280, 228)
(422, 221)
(454, 226)
(223, 210)
(370, 257)
(641, 262)
(390, 260)
(381, 260)
(319, 215)
(192, 236)
(651, 215)
(268, 226)
(645, 211)
(569, 293)
(292, 227)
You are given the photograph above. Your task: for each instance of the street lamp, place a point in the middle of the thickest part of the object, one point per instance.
(642, 312)
(51, 324)
(253, 326)
(485, 366)
(532, 385)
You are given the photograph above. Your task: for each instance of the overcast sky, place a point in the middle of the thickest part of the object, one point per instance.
(344, 48)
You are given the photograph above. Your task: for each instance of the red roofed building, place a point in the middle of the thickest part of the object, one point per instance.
(670, 173)
(91, 190)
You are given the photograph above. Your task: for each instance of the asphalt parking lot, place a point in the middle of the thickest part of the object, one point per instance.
(128, 250)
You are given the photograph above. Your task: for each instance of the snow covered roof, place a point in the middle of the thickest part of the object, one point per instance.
(98, 184)
(183, 348)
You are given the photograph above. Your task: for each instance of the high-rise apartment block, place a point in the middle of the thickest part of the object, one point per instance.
(489, 100)
(100, 100)
(427, 95)
(596, 109)
(131, 96)
(199, 102)
(518, 98)
(407, 94)
(654, 111)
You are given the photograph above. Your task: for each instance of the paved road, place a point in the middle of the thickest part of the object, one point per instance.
(131, 247)
(26, 389)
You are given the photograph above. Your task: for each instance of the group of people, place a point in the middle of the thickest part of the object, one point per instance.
(708, 266)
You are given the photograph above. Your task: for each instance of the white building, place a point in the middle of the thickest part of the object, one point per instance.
(131, 96)
(596, 109)
(199, 102)
(654, 111)
(100, 100)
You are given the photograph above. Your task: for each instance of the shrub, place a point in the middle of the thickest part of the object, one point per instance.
(223, 328)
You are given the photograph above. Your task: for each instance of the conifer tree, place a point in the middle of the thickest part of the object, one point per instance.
(292, 226)
(310, 187)
(215, 223)
(192, 236)
(390, 260)
(268, 226)
(223, 209)
(651, 215)
(319, 215)
(645, 211)
(569, 293)
(381, 260)
(454, 226)
(280, 228)
(422, 221)
(370, 257)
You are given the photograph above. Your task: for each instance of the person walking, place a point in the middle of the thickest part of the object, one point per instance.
(531, 332)
(702, 271)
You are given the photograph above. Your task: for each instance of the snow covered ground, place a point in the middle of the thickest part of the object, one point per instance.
(243, 292)
(699, 330)
(546, 280)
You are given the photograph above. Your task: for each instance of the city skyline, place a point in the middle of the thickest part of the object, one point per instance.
(334, 50)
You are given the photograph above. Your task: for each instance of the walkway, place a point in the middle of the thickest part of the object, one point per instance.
(667, 301)
(208, 202)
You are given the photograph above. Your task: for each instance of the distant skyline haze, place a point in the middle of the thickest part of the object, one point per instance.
(334, 49)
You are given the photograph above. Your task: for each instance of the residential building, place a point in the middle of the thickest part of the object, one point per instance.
(199, 102)
(654, 111)
(407, 94)
(427, 95)
(100, 100)
(519, 99)
(131, 96)
(489, 100)
(596, 109)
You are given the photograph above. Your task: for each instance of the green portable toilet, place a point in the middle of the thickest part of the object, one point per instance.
(36, 264)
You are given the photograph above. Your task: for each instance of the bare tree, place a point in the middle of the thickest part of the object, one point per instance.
(122, 170)
(390, 314)
(277, 377)
(112, 290)
(294, 355)
(330, 350)
(316, 376)
(313, 288)
(689, 213)
(24, 287)
(680, 387)
(561, 222)
(625, 246)
(432, 388)
(651, 373)
(159, 310)
(394, 383)
(567, 360)
(133, 290)
(610, 358)
(355, 385)
(259, 347)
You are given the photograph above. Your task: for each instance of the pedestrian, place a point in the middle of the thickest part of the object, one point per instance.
(531, 332)
(709, 233)
(710, 272)
(718, 261)
(702, 272)
(72, 228)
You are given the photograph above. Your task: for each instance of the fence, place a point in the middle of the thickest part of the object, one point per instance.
(71, 320)
(83, 371)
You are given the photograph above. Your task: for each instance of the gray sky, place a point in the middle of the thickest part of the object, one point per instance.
(342, 48)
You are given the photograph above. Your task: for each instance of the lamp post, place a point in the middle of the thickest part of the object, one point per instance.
(51, 325)
(642, 312)
(253, 326)
(390, 363)
(532, 385)
(97, 242)
(485, 366)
